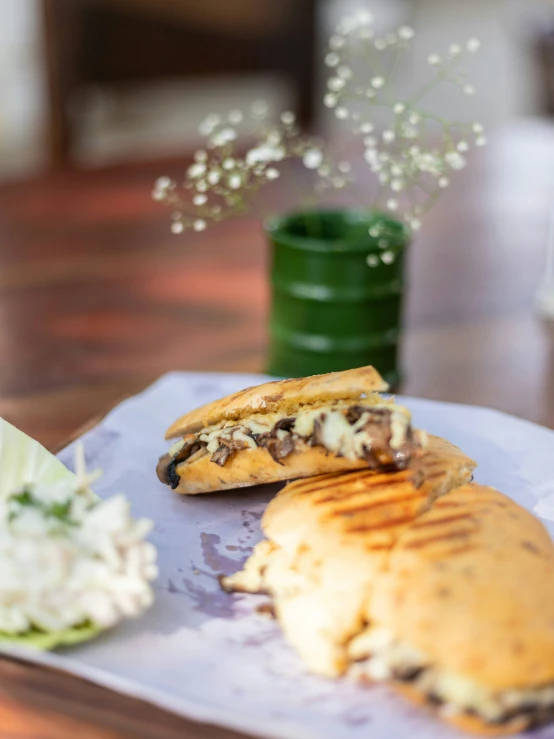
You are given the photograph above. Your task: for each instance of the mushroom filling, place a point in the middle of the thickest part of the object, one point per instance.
(379, 656)
(381, 435)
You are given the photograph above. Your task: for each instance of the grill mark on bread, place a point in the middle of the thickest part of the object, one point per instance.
(367, 493)
(421, 542)
(380, 525)
(370, 505)
(419, 525)
(312, 485)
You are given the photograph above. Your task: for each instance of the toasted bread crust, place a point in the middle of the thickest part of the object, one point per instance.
(256, 467)
(475, 579)
(282, 395)
(355, 507)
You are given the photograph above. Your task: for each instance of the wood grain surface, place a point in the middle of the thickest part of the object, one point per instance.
(97, 299)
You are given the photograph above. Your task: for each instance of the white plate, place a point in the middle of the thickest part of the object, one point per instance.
(209, 656)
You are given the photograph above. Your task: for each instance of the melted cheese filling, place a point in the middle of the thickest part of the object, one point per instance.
(336, 433)
(384, 658)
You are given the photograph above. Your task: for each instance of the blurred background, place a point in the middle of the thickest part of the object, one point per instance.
(93, 82)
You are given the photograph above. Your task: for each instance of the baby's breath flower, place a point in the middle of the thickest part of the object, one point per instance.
(406, 33)
(271, 173)
(455, 160)
(336, 42)
(332, 59)
(330, 100)
(377, 82)
(344, 167)
(415, 224)
(399, 108)
(196, 170)
(177, 227)
(201, 186)
(366, 127)
(223, 136)
(213, 176)
(342, 112)
(443, 182)
(389, 136)
(200, 199)
(387, 257)
(434, 60)
(312, 158)
(344, 72)
(200, 156)
(335, 84)
(481, 141)
(469, 90)
(208, 124)
(228, 163)
(473, 45)
(397, 185)
(462, 146)
(234, 181)
(454, 50)
(391, 39)
(380, 44)
(392, 204)
(372, 260)
(478, 128)
(414, 118)
(288, 118)
(199, 224)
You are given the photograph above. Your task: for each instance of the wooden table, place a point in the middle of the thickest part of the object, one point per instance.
(97, 299)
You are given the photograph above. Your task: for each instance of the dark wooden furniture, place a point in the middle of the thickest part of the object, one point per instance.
(97, 299)
(110, 43)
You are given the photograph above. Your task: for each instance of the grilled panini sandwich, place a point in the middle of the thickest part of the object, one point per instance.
(329, 537)
(289, 429)
(443, 589)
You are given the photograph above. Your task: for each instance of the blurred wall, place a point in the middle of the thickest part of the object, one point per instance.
(22, 97)
(156, 116)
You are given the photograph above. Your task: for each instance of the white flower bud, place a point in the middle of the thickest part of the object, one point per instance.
(415, 224)
(330, 100)
(199, 224)
(399, 108)
(481, 141)
(344, 167)
(336, 42)
(443, 182)
(335, 84)
(377, 82)
(454, 50)
(370, 141)
(462, 146)
(372, 260)
(342, 113)
(434, 60)
(196, 170)
(387, 257)
(388, 136)
(344, 72)
(228, 163)
(473, 45)
(392, 204)
(234, 181)
(478, 128)
(200, 199)
(288, 118)
(406, 33)
(332, 59)
(397, 185)
(469, 90)
(455, 160)
(177, 227)
(380, 44)
(366, 128)
(213, 176)
(272, 173)
(312, 158)
(260, 108)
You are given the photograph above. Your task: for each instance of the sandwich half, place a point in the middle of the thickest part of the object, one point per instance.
(445, 592)
(289, 429)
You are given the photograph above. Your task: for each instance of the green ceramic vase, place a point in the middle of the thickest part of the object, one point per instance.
(337, 282)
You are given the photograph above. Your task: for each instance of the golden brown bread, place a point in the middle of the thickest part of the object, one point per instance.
(282, 395)
(335, 533)
(445, 591)
(364, 508)
(256, 467)
(471, 584)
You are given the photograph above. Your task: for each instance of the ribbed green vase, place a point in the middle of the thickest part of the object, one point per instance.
(337, 282)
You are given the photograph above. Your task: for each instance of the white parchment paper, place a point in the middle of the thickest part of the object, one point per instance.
(208, 655)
